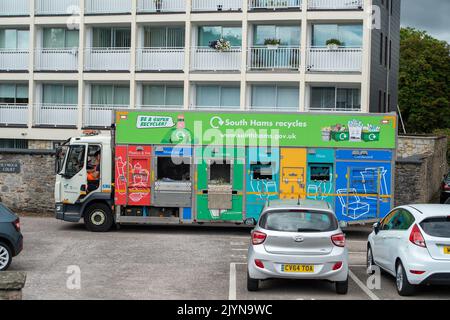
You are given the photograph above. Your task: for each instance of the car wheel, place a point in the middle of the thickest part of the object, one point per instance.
(98, 218)
(404, 288)
(5, 256)
(342, 287)
(252, 284)
(370, 261)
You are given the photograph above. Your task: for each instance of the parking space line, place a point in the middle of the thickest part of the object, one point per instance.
(232, 284)
(238, 249)
(363, 287)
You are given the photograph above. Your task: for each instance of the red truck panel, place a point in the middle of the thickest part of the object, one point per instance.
(121, 161)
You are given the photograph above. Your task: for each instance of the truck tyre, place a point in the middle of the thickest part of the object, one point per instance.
(98, 218)
(5, 256)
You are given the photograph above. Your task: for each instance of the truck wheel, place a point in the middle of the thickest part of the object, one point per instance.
(98, 218)
(5, 256)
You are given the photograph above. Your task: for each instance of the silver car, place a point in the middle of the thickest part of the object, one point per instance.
(412, 243)
(298, 240)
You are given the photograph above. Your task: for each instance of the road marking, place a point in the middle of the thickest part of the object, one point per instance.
(364, 288)
(239, 249)
(232, 284)
(239, 243)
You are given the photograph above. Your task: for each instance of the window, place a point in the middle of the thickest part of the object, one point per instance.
(110, 95)
(384, 102)
(162, 95)
(320, 173)
(437, 227)
(168, 171)
(299, 221)
(387, 223)
(381, 48)
(380, 93)
(75, 160)
(386, 48)
(275, 97)
(334, 98)
(13, 144)
(288, 35)
(207, 34)
(164, 37)
(13, 94)
(60, 38)
(59, 94)
(261, 171)
(218, 96)
(219, 173)
(403, 220)
(390, 54)
(349, 34)
(111, 38)
(14, 39)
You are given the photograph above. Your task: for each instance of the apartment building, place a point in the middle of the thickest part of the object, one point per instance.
(65, 65)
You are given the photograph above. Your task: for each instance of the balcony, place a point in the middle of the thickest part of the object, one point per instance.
(335, 4)
(107, 6)
(55, 115)
(13, 115)
(14, 8)
(56, 7)
(13, 60)
(334, 60)
(278, 58)
(207, 59)
(160, 59)
(152, 6)
(216, 5)
(107, 59)
(274, 4)
(100, 116)
(56, 59)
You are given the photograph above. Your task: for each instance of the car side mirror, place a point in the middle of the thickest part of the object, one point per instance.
(250, 222)
(376, 227)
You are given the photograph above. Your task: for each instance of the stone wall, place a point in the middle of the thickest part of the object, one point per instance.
(33, 188)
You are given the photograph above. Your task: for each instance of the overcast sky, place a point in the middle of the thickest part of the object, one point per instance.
(430, 15)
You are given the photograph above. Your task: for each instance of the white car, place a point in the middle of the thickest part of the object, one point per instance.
(298, 240)
(413, 244)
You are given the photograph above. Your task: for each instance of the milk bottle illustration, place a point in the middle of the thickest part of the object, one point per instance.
(355, 130)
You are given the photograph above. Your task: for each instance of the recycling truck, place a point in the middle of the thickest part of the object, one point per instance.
(193, 167)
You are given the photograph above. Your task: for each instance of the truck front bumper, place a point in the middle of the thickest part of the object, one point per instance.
(69, 213)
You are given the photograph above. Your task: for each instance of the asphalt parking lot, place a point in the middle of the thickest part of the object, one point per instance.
(170, 262)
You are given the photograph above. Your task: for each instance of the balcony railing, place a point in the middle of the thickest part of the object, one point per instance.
(215, 108)
(265, 58)
(207, 59)
(335, 60)
(13, 114)
(107, 59)
(96, 116)
(152, 6)
(56, 7)
(160, 107)
(274, 4)
(56, 115)
(65, 59)
(160, 59)
(335, 109)
(216, 5)
(335, 4)
(14, 8)
(107, 6)
(13, 59)
(274, 109)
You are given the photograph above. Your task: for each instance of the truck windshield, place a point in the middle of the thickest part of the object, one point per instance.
(61, 153)
(75, 160)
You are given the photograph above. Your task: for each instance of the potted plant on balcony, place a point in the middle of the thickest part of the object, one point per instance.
(272, 43)
(333, 44)
(220, 45)
(158, 5)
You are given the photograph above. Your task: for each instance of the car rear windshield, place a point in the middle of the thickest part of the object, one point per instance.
(437, 227)
(299, 221)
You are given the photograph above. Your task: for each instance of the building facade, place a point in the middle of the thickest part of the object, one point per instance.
(65, 65)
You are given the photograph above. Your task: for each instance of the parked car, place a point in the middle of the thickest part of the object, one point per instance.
(445, 189)
(298, 240)
(412, 243)
(11, 239)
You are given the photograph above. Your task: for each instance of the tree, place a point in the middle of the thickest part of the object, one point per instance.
(424, 92)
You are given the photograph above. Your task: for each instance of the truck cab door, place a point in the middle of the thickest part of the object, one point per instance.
(73, 178)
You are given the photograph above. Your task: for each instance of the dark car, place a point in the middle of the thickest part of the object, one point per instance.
(11, 240)
(445, 189)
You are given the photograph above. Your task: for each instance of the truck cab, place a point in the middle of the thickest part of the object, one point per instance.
(83, 187)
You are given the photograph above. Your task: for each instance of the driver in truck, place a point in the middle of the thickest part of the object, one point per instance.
(93, 175)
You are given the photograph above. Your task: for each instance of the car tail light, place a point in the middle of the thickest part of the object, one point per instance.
(416, 237)
(446, 187)
(258, 237)
(338, 240)
(417, 272)
(337, 266)
(259, 264)
(16, 225)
